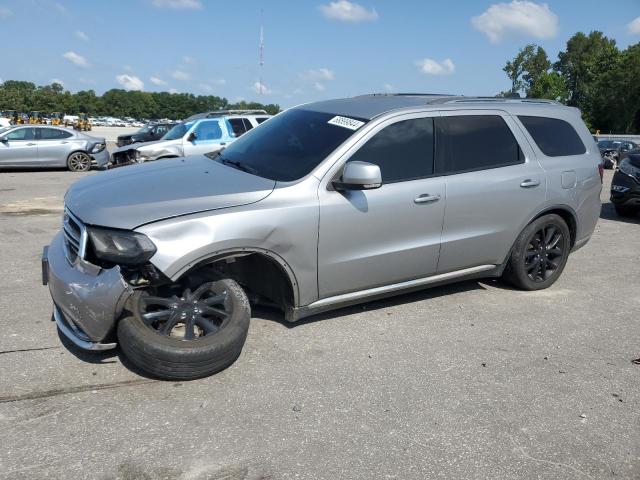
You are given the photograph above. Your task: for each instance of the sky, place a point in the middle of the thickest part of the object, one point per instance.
(313, 50)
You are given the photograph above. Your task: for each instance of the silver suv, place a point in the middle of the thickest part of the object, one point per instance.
(325, 205)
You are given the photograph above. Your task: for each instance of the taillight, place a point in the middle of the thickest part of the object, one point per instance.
(601, 171)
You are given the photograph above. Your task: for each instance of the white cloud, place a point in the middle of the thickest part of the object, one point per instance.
(178, 4)
(209, 87)
(5, 12)
(174, 90)
(56, 80)
(130, 82)
(261, 88)
(389, 88)
(82, 36)
(188, 60)
(345, 11)
(128, 68)
(518, 18)
(321, 74)
(180, 75)
(157, 81)
(318, 77)
(433, 67)
(633, 27)
(76, 59)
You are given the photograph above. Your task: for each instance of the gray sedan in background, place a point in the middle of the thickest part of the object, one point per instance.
(33, 146)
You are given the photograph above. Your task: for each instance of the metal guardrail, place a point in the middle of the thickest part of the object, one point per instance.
(611, 136)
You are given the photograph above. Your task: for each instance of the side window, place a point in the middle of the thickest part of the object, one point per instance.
(247, 124)
(555, 137)
(475, 142)
(237, 125)
(21, 134)
(403, 151)
(53, 134)
(261, 119)
(208, 130)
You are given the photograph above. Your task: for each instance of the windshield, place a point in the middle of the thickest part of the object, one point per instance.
(145, 129)
(5, 129)
(288, 146)
(178, 131)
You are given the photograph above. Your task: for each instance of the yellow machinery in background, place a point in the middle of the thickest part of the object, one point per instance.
(36, 118)
(56, 118)
(83, 123)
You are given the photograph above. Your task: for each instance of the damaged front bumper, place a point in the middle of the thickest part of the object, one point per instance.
(87, 299)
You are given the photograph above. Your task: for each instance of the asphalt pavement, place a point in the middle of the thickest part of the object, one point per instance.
(469, 381)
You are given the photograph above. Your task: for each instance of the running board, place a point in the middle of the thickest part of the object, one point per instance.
(351, 298)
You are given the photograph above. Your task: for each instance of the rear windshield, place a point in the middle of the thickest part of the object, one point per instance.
(554, 137)
(288, 146)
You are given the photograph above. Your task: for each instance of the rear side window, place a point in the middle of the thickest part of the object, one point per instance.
(403, 151)
(53, 134)
(237, 125)
(475, 142)
(554, 137)
(261, 119)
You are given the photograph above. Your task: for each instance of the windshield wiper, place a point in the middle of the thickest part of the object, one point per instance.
(238, 165)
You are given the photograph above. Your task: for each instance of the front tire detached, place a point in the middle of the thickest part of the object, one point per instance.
(173, 354)
(540, 254)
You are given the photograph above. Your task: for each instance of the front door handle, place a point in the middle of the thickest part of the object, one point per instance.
(30, 144)
(426, 198)
(529, 183)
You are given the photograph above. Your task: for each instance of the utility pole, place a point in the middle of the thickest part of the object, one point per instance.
(261, 49)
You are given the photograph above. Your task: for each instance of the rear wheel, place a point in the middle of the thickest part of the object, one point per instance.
(187, 335)
(539, 254)
(79, 162)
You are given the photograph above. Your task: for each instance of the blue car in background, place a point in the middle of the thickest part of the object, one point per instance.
(199, 134)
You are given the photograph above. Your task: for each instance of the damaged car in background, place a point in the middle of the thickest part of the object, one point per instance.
(324, 205)
(200, 134)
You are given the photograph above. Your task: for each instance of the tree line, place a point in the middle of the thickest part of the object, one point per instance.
(26, 96)
(591, 73)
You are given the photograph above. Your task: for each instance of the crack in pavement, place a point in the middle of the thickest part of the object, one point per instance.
(78, 389)
(28, 349)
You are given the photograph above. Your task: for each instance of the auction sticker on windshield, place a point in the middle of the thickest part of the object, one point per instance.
(346, 122)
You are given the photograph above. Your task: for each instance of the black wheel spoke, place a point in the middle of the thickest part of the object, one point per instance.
(195, 314)
(215, 300)
(214, 311)
(207, 325)
(550, 232)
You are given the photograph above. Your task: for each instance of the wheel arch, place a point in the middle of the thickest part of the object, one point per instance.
(261, 271)
(567, 214)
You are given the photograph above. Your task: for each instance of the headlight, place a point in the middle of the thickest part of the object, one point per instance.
(625, 167)
(121, 247)
(98, 147)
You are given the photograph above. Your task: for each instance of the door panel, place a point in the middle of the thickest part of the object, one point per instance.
(370, 238)
(210, 137)
(54, 145)
(487, 208)
(378, 237)
(20, 149)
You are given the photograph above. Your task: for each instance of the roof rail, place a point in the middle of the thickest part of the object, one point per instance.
(222, 113)
(404, 94)
(494, 100)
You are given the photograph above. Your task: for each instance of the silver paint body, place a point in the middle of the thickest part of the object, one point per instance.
(341, 247)
(49, 153)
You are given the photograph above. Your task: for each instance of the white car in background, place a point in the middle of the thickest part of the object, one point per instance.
(4, 122)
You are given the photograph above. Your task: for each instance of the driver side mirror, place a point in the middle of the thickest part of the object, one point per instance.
(192, 137)
(4, 140)
(359, 176)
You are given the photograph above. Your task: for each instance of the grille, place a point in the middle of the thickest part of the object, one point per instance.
(75, 236)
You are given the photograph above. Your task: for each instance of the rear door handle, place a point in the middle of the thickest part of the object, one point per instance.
(529, 183)
(426, 198)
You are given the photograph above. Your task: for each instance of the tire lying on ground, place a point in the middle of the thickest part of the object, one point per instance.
(187, 337)
(539, 254)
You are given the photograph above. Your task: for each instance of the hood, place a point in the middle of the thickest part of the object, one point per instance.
(135, 195)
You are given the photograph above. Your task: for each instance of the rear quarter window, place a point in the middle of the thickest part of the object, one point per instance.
(554, 137)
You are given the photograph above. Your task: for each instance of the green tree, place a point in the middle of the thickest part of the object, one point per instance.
(526, 68)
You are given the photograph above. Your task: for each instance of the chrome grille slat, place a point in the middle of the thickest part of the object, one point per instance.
(75, 236)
